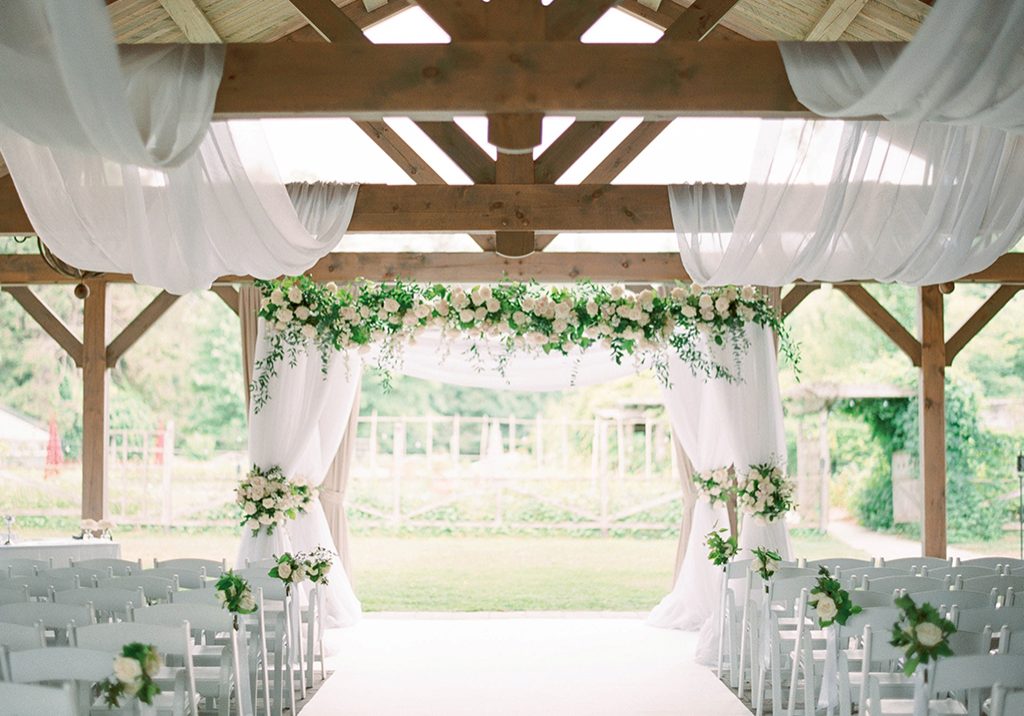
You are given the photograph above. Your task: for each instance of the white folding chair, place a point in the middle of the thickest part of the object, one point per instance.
(13, 596)
(207, 567)
(778, 615)
(1006, 702)
(874, 656)
(281, 636)
(110, 566)
(907, 584)
(946, 599)
(79, 668)
(1011, 562)
(21, 567)
(16, 637)
(87, 576)
(109, 603)
(265, 564)
(32, 700)
(963, 571)
(838, 564)
(868, 600)
(156, 589)
(40, 586)
(186, 579)
(53, 617)
(734, 577)
(995, 619)
(170, 642)
(1002, 584)
(1011, 641)
(914, 564)
(854, 578)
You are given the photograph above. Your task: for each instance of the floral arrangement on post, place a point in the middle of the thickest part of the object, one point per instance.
(134, 670)
(830, 601)
(318, 564)
(765, 492)
(511, 317)
(922, 632)
(766, 562)
(235, 595)
(267, 498)
(721, 550)
(717, 485)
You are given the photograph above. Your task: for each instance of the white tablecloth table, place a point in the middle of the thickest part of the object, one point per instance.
(61, 550)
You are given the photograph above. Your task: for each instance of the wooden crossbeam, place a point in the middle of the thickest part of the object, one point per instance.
(229, 295)
(461, 19)
(567, 149)
(589, 81)
(569, 19)
(881, 317)
(699, 20)
(138, 326)
(329, 21)
(47, 320)
(626, 151)
(978, 320)
(462, 149)
(795, 296)
(191, 20)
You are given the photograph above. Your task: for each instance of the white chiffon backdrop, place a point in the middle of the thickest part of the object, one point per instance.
(223, 211)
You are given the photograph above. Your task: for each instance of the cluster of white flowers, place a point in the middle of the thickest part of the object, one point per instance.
(246, 600)
(314, 566)
(235, 594)
(764, 491)
(293, 311)
(717, 485)
(267, 498)
(134, 670)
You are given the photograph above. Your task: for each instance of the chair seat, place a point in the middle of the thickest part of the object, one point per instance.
(936, 707)
(163, 705)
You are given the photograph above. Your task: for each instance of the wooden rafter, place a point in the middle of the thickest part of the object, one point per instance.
(138, 326)
(836, 18)
(795, 296)
(699, 20)
(227, 294)
(462, 149)
(567, 149)
(568, 19)
(881, 317)
(329, 21)
(47, 320)
(461, 19)
(978, 320)
(191, 20)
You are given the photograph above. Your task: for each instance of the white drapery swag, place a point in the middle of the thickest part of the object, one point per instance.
(223, 211)
(299, 430)
(720, 423)
(64, 85)
(915, 203)
(965, 65)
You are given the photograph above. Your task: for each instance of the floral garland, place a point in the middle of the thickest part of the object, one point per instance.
(513, 316)
(831, 602)
(134, 670)
(721, 550)
(267, 498)
(765, 492)
(717, 485)
(922, 632)
(235, 594)
(766, 562)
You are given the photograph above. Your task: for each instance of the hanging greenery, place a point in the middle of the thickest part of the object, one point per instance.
(511, 317)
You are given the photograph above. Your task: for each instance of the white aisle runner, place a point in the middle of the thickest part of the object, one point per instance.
(492, 665)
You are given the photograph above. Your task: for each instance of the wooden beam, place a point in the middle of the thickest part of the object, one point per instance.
(973, 325)
(515, 133)
(461, 19)
(834, 21)
(871, 308)
(699, 20)
(795, 296)
(138, 326)
(229, 295)
(626, 151)
(462, 149)
(47, 320)
(569, 19)
(94, 401)
(191, 20)
(588, 81)
(329, 21)
(932, 408)
(567, 149)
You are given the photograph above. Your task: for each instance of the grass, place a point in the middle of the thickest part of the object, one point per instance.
(448, 574)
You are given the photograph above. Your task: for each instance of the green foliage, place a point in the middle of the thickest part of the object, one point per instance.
(766, 562)
(831, 602)
(922, 632)
(721, 549)
(235, 594)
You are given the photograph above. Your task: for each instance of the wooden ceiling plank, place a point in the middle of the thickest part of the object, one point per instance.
(881, 317)
(795, 296)
(138, 326)
(836, 18)
(461, 149)
(698, 20)
(47, 320)
(569, 19)
(978, 320)
(194, 24)
(329, 21)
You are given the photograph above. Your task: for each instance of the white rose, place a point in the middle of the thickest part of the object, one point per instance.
(826, 608)
(265, 519)
(618, 291)
(325, 569)
(679, 293)
(559, 325)
(441, 307)
(252, 524)
(247, 602)
(264, 303)
(529, 303)
(221, 596)
(302, 313)
(126, 669)
(295, 294)
(592, 308)
(928, 634)
(153, 664)
(308, 331)
(591, 332)
(492, 305)
(520, 318)
(480, 313)
(391, 305)
(250, 508)
(331, 286)
(268, 502)
(276, 297)
(705, 301)
(284, 315)
(486, 293)
(284, 570)
(748, 293)
(466, 316)
(688, 311)
(722, 305)
(300, 574)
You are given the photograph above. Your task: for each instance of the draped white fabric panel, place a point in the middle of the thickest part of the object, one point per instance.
(831, 201)
(63, 85)
(965, 65)
(720, 424)
(224, 211)
(299, 430)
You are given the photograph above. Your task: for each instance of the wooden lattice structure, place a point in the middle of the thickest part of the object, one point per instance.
(513, 61)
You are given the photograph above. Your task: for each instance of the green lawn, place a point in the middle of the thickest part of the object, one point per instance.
(484, 573)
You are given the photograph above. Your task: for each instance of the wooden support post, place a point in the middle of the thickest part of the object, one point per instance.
(94, 401)
(932, 408)
(515, 136)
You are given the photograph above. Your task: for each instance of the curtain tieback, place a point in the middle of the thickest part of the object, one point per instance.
(331, 497)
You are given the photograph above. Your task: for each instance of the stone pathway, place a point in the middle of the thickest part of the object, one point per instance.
(877, 544)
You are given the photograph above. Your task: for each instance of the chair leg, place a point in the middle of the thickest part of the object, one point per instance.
(776, 680)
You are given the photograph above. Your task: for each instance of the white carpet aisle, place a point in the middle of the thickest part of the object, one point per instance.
(497, 666)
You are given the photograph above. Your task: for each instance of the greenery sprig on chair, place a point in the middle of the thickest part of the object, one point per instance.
(721, 549)
(235, 594)
(134, 669)
(766, 562)
(831, 602)
(922, 632)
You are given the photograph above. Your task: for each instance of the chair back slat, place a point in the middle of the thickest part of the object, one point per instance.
(31, 700)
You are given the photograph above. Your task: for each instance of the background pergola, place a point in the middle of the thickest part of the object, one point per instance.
(513, 61)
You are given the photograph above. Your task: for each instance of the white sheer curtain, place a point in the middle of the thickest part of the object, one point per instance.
(63, 85)
(299, 430)
(915, 203)
(224, 211)
(965, 65)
